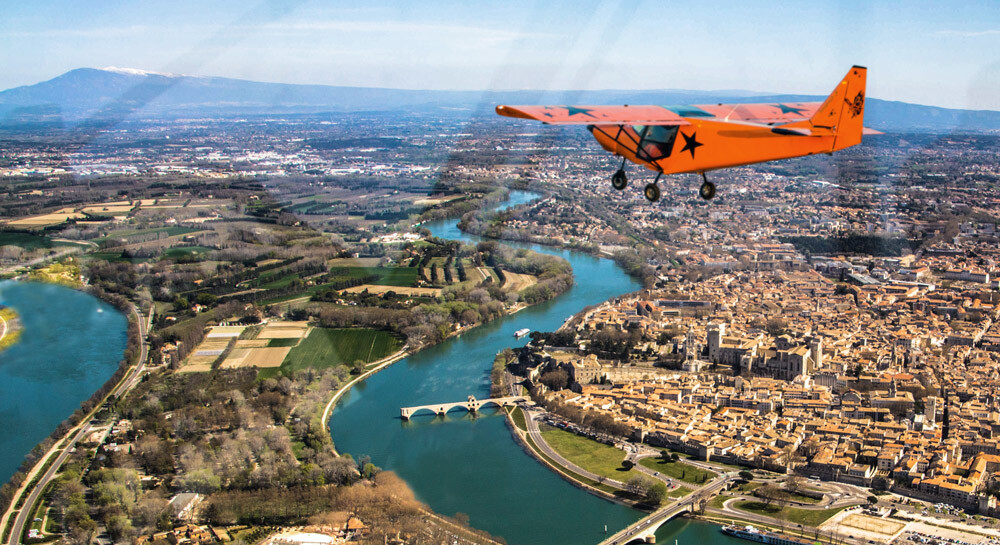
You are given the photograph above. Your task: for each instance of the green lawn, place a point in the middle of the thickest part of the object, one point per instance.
(595, 457)
(575, 476)
(806, 517)
(332, 347)
(717, 501)
(679, 470)
(792, 496)
(679, 492)
(282, 342)
(518, 415)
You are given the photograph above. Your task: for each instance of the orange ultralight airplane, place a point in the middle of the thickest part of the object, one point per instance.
(682, 139)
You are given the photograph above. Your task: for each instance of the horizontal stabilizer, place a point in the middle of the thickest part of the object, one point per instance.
(791, 131)
(595, 115)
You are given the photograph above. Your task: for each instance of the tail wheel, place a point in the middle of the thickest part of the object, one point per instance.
(652, 192)
(707, 190)
(619, 180)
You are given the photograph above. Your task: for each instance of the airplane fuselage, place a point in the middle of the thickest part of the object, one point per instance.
(705, 145)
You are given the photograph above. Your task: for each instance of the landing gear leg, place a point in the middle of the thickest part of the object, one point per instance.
(707, 190)
(619, 180)
(652, 191)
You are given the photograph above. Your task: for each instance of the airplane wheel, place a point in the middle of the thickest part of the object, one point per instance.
(707, 191)
(619, 180)
(652, 192)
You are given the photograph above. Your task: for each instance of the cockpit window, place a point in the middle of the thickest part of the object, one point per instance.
(656, 141)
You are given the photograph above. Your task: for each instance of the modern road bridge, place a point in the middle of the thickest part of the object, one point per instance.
(644, 530)
(471, 404)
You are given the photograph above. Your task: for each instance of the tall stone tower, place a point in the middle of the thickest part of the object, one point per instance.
(715, 334)
(692, 348)
(930, 409)
(816, 350)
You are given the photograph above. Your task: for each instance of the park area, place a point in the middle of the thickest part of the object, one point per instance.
(805, 517)
(679, 470)
(595, 457)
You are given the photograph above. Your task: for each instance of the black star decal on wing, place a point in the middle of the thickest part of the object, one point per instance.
(691, 143)
(573, 110)
(785, 109)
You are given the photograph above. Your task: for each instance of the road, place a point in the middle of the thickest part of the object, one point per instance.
(39, 260)
(25, 515)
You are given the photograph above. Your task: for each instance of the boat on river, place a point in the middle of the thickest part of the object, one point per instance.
(521, 332)
(763, 536)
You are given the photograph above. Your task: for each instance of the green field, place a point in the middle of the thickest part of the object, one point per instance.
(29, 241)
(282, 342)
(387, 276)
(678, 470)
(595, 457)
(332, 347)
(806, 517)
(116, 257)
(184, 251)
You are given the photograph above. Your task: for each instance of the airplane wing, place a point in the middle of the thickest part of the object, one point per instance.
(595, 115)
(765, 113)
(760, 114)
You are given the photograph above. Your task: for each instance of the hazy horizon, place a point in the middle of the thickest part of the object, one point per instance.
(930, 53)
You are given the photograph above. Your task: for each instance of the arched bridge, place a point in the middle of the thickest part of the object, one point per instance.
(471, 404)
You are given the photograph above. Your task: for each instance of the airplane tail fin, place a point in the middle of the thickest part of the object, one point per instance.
(843, 111)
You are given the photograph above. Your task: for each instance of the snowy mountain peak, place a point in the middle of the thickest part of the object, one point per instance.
(137, 72)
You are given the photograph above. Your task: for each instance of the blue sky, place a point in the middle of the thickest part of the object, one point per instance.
(939, 53)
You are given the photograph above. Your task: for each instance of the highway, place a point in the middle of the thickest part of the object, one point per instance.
(24, 516)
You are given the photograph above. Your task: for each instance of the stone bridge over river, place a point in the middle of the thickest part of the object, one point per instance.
(471, 404)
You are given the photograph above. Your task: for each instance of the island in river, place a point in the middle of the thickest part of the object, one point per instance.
(10, 327)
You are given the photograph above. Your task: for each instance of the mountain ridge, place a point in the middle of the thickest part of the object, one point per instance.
(112, 93)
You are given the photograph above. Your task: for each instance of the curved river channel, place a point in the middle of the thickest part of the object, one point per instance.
(70, 345)
(472, 465)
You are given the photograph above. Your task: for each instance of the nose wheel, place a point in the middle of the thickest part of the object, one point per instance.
(707, 190)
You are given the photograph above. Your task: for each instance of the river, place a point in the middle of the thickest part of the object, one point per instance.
(70, 344)
(472, 465)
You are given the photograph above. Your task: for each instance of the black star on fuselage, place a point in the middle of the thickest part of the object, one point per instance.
(789, 109)
(691, 143)
(573, 110)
